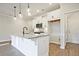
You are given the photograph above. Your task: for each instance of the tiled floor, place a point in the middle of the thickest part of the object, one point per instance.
(8, 50)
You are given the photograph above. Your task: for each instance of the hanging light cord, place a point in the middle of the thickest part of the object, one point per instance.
(14, 11)
(19, 8)
(28, 5)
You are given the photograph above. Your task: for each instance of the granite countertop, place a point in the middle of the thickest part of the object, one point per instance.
(32, 35)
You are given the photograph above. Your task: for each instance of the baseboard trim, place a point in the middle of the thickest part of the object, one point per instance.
(62, 47)
(55, 43)
(5, 42)
(73, 42)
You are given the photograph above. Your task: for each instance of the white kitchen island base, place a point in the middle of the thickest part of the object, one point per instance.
(35, 46)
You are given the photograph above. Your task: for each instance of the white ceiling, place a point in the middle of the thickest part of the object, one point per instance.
(7, 8)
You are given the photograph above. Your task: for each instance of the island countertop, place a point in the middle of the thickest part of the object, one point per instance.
(32, 35)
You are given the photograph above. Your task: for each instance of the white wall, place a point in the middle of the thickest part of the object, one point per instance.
(73, 28)
(71, 11)
(9, 26)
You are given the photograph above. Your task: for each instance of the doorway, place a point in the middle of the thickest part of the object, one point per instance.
(54, 31)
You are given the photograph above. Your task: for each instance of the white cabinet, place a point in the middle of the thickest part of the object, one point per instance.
(38, 46)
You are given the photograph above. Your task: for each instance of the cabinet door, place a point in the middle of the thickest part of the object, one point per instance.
(29, 48)
(43, 46)
(14, 41)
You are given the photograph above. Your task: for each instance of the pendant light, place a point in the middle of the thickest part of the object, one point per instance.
(14, 12)
(28, 10)
(20, 13)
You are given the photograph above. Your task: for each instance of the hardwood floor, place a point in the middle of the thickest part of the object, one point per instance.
(70, 50)
(54, 50)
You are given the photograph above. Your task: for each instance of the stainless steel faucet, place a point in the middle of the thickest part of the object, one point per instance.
(24, 30)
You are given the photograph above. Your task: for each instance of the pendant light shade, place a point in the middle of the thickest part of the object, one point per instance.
(28, 10)
(14, 18)
(29, 14)
(20, 13)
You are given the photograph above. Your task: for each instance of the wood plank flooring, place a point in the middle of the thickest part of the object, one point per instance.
(54, 50)
(70, 50)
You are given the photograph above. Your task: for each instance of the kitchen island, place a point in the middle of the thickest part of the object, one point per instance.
(32, 44)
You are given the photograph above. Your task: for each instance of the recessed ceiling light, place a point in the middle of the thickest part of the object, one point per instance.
(29, 14)
(50, 3)
(37, 11)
